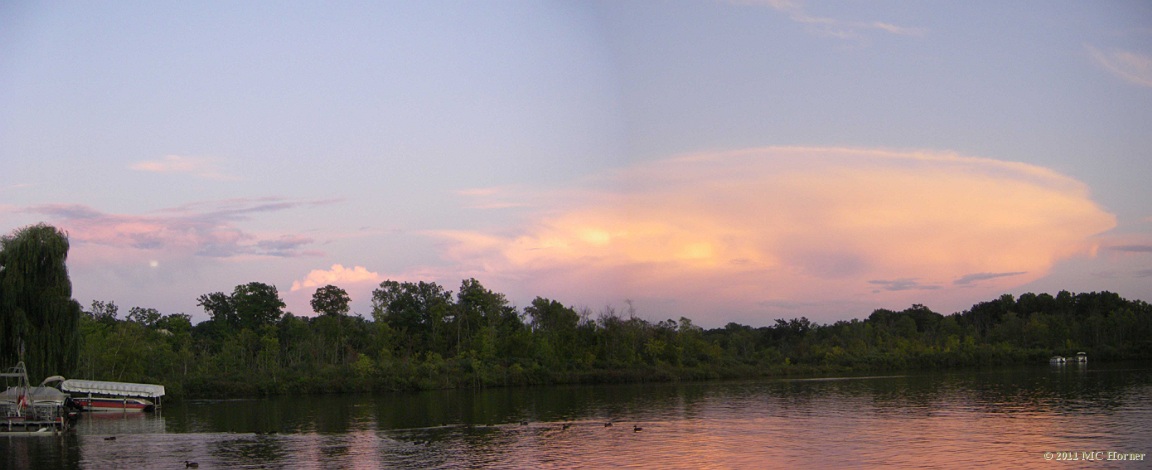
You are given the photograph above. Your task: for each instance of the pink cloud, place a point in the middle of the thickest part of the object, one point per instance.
(167, 257)
(827, 26)
(336, 275)
(783, 225)
(203, 167)
(1132, 67)
(210, 230)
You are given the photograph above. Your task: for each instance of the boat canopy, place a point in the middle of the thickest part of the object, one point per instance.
(35, 395)
(117, 389)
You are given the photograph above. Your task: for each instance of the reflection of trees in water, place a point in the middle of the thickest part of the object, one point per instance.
(732, 424)
(1074, 388)
(120, 423)
(993, 391)
(542, 404)
(296, 414)
(40, 452)
(1028, 389)
(989, 391)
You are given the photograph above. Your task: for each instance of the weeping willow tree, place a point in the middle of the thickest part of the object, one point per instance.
(37, 313)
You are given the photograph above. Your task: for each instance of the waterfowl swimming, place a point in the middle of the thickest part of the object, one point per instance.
(188, 464)
(637, 428)
(608, 424)
(566, 426)
(110, 438)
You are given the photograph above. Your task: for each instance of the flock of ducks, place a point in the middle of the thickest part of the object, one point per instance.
(607, 424)
(563, 427)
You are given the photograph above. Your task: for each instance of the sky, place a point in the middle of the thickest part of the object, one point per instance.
(726, 161)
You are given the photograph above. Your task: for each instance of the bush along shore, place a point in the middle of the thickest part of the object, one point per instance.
(422, 336)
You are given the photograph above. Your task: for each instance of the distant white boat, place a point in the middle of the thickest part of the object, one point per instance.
(1057, 360)
(1082, 357)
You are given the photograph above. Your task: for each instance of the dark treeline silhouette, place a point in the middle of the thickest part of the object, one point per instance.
(422, 336)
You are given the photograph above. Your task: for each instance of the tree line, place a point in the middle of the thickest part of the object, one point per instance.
(421, 335)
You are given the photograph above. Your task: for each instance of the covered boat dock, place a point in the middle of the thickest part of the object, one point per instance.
(125, 394)
(32, 411)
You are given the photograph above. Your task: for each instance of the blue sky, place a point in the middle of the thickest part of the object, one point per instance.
(725, 161)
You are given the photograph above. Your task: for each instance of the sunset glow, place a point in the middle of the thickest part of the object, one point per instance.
(798, 222)
(733, 160)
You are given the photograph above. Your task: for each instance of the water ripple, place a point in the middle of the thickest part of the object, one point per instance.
(930, 421)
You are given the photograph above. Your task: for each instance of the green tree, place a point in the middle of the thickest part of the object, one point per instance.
(37, 312)
(555, 329)
(551, 317)
(294, 337)
(479, 315)
(332, 303)
(257, 305)
(103, 312)
(328, 338)
(252, 306)
(146, 317)
(330, 300)
(414, 311)
(219, 308)
(178, 329)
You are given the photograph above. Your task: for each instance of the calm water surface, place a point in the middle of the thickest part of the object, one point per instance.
(1000, 418)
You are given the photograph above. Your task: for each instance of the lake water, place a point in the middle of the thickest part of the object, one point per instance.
(1035, 417)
